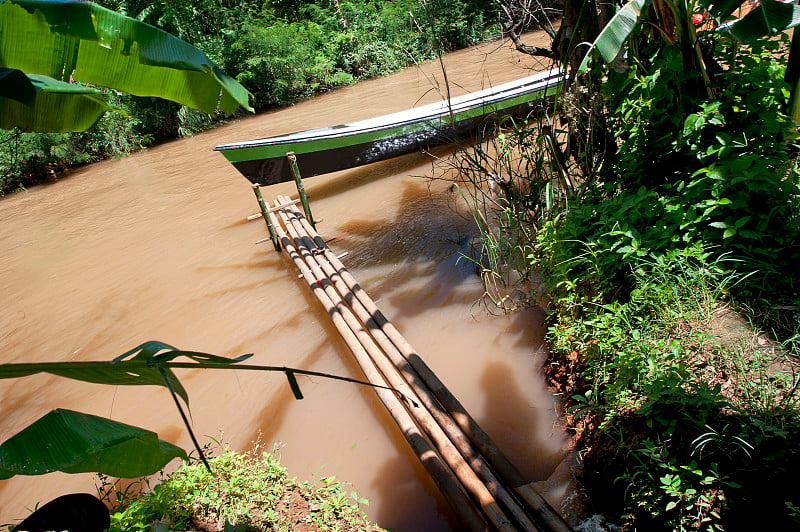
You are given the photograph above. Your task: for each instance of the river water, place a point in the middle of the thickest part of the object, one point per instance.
(155, 247)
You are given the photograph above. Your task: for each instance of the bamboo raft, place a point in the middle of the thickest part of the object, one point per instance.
(485, 490)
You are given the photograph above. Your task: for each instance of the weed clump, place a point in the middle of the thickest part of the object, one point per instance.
(246, 491)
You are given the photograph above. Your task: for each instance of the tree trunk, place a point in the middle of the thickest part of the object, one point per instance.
(792, 77)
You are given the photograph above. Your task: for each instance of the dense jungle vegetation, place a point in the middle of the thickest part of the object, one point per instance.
(281, 51)
(656, 214)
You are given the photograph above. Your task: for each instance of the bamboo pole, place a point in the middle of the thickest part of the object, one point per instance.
(465, 474)
(271, 228)
(543, 513)
(469, 514)
(434, 419)
(258, 215)
(301, 190)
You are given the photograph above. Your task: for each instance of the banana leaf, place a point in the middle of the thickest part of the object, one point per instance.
(74, 40)
(73, 442)
(616, 32)
(768, 18)
(40, 103)
(142, 365)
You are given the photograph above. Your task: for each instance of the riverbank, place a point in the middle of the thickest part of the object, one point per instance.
(647, 226)
(683, 411)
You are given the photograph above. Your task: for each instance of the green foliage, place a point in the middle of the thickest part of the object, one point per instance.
(683, 453)
(720, 174)
(382, 37)
(30, 158)
(284, 62)
(281, 51)
(73, 442)
(249, 490)
(281, 60)
(60, 42)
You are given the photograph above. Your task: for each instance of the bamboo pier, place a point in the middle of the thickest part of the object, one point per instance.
(485, 490)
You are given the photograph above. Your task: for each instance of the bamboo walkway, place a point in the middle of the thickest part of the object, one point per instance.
(483, 487)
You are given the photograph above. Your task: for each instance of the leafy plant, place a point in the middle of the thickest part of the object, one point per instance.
(73, 442)
(250, 491)
(113, 446)
(74, 40)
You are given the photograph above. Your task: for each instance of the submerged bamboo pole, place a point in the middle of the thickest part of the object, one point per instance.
(478, 489)
(468, 512)
(434, 419)
(540, 510)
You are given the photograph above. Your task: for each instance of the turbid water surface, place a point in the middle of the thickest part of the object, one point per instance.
(155, 247)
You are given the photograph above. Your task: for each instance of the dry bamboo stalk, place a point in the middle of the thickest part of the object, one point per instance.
(437, 418)
(544, 514)
(257, 215)
(448, 451)
(283, 205)
(469, 514)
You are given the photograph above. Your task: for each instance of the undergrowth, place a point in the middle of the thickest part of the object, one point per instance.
(246, 491)
(692, 426)
(689, 220)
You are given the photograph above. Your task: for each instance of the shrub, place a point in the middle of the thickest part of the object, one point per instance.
(717, 173)
(247, 491)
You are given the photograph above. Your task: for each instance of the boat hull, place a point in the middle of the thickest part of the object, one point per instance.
(326, 150)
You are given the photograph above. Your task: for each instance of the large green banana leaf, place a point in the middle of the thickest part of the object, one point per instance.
(142, 365)
(40, 103)
(75, 40)
(616, 32)
(151, 362)
(73, 442)
(767, 18)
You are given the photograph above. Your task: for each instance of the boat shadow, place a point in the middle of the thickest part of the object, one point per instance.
(420, 257)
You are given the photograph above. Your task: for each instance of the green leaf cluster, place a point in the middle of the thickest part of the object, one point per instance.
(674, 452)
(720, 174)
(47, 46)
(74, 442)
(249, 490)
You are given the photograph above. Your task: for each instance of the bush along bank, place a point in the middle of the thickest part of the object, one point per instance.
(281, 51)
(247, 491)
(665, 251)
(675, 320)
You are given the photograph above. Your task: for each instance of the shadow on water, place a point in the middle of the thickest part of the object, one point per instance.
(399, 478)
(426, 237)
(277, 407)
(508, 417)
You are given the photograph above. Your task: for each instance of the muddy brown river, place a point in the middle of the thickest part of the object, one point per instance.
(155, 246)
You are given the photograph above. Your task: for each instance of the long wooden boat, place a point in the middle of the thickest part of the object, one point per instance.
(320, 151)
